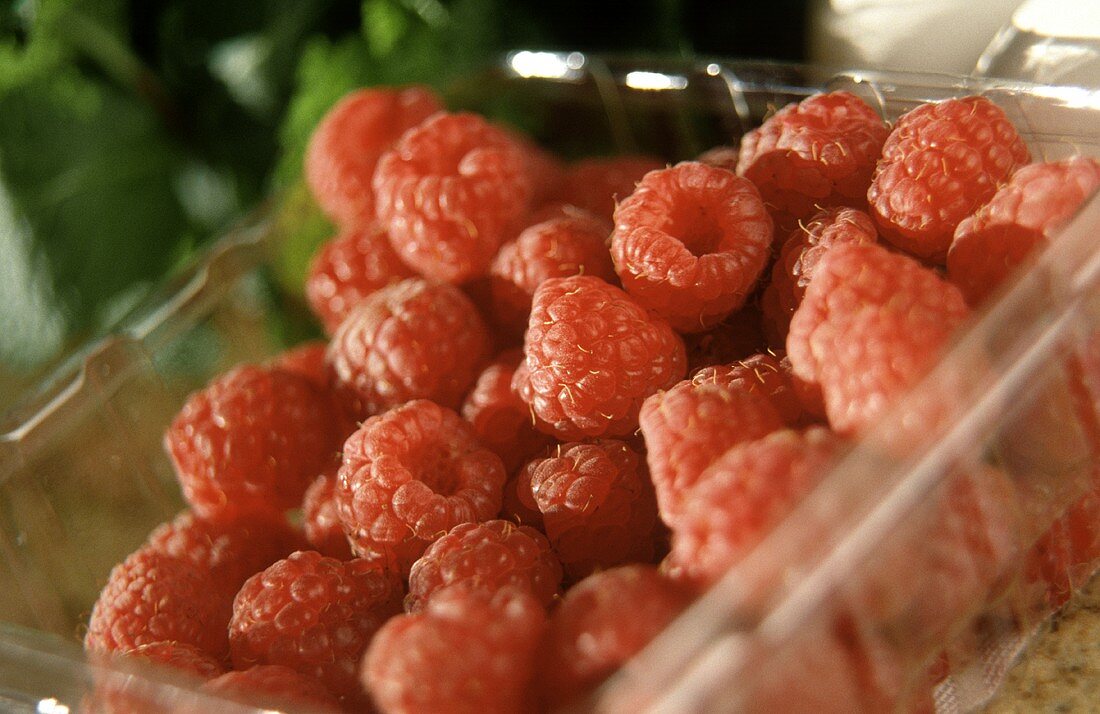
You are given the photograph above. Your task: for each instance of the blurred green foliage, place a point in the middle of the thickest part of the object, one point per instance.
(132, 132)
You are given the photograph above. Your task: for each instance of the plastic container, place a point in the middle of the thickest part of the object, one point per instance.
(1048, 42)
(83, 477)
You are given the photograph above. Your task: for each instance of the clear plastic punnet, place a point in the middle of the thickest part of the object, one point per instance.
(1008, 421)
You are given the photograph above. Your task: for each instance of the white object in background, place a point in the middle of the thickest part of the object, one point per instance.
(1048, 42)
(908, 35)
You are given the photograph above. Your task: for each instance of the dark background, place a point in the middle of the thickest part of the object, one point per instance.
(131, 133)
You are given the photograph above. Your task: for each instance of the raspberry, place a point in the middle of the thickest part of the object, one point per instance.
(321, 518)
(411, 340)
(736, 337)
(692, 424)
(799, 257)
(308, 360)
(152, 597)
(722, 157)
(273, 686)
(555, 248)
(690, 243)
(741, 496)
(346, 145)
(1022, 215)
(468, 651)
(869, 327)
(229, 550)
(592, 356)
(409, 476)
(180, 657)
(596, 185)
(502, 421)
(544, 170)
(946, 564)
(815, 154)
(601, 623)
(486, 556)
(451, 191)
(519, 503)
(315, 615)
(252, 440)
(348, 268)
(940, 163)
(767, 375)
(597, 505)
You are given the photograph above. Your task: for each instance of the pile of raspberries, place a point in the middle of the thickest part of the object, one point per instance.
(560, 400)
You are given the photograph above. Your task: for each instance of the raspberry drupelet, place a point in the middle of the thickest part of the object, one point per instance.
(408, 477)
(597, 505)
(229, 550)
(321, 518)
(486, 556)
(153, 597)
(815, 154)
(348, 268)
(798, 258)
(315, 615)
(252, 440)
(870, 326)
(469, 651)
(501, 420)
(691, 242)
(450, 193)
(592, 355)
(410, 340)
(555, 248)
(597, 184)
(602, 622)
(274, 686)
(940, 163)
(346, 145)
(1020, 218)
(692, 424)
(741, 496)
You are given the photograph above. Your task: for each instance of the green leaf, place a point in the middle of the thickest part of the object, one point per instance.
(384, 23)
(91, 177)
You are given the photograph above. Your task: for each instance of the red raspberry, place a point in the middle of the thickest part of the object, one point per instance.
(1024, 214)
(870, 326)
(692, 424)
(555, 248)
(592, 356)
(736, 337)
(815, 154)
(450, 193)
(519, 503)
(273, 686)
(252, 440)
(603, 621)
(409, 476)
(799, 257)
(486, 556)
(722, 157)
(544, 170)
(767, 375)
(348, 268)
(321, 518)
(597, 505)
(502, 421)
(468, 651)
(941, 162)
(308, 360)
(951, 559)
(152, 597)
(180, 657)
(315, 615)
(412, 340)
(346, 145)
(229, 550)
(690, 243)
(741, 496)
(596, 185)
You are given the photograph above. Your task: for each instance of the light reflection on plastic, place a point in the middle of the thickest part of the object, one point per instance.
(1073, 97)
(655, 81)
(713, 69)
(51, 706)
(547, 65)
